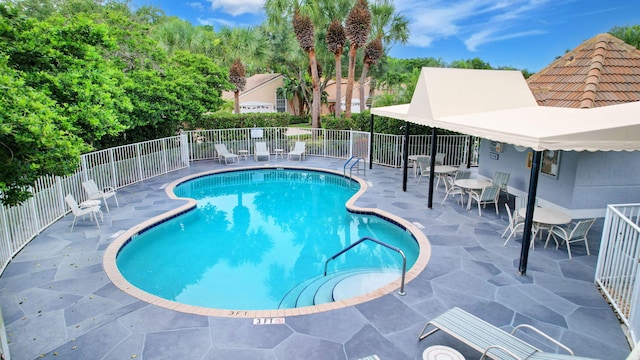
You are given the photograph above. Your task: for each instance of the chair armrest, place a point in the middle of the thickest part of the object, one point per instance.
(108, 189)
(486, 352)
(527, 326)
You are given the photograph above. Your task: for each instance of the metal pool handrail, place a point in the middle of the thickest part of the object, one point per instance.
(399, 251)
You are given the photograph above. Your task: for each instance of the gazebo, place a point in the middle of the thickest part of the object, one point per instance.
(498, 105)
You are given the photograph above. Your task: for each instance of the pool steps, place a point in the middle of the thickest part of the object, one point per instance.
(336, 286)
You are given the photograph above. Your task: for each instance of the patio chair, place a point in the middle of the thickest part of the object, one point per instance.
(225, 154)
(299, 150)
(570, 234)
(262, 151)
(452, 189)
(488, 339)
(440, 158)
(93, 193)
(516, 222)
(489, 195)
(424, 167)
(501, 179)
(77, 210)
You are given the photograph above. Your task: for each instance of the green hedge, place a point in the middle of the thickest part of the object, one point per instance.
(234, 121)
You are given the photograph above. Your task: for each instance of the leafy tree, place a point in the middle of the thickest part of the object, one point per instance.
(372, 54)
(237, 77)
(336, 39)
(304, 31)
(35, 140)
(628, 34)
(358, 25)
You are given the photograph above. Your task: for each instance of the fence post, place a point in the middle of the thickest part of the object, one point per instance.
(184, 148)
(114, 174)
(139, 156)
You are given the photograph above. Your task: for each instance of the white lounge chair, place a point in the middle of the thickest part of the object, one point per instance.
(225, 154)
(299, 150)
(92, 210)
(489, 340)
(93, 193)
(262, 151)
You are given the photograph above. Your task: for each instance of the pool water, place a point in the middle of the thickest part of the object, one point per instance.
(254, 236)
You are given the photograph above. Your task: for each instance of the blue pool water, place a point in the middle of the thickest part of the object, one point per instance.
(254, 236)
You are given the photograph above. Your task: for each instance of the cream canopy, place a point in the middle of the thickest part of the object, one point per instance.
(498, 105)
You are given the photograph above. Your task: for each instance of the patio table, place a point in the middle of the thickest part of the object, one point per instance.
(545, 218)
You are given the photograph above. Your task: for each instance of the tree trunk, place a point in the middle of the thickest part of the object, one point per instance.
(315, 84)
(236, 101)
(338, 107)
(363, 78)
(353, 51)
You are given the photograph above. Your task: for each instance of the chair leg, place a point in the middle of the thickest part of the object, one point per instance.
(104, 200)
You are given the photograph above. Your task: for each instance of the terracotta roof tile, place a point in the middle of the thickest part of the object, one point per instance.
(601, 71)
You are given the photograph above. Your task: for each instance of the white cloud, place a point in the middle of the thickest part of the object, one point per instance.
(475, 22)
(196, 5)
(217, 21)
(238, 7)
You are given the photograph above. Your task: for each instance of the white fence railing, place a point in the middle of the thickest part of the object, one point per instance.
(125, 165)
(116, 167)
(618, 263)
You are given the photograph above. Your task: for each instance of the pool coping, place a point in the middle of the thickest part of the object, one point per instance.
(110, 267)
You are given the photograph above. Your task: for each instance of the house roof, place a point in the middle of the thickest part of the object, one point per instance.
(601, 71)
(253, 82)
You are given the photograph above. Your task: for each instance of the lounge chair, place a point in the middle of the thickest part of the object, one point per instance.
(262, 151)
(93, 193)
(489, 340)
(299, 150)
(225, 154)
(92, 210)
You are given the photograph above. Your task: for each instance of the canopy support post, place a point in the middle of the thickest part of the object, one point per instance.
(405, 156)
(528, 220)
(434, 147)
(371, 142)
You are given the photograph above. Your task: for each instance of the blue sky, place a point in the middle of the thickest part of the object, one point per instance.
(525, 34)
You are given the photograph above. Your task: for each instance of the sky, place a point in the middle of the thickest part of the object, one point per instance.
(523, 34)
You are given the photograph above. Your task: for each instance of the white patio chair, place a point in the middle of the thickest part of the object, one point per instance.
(489, 195)
(501, 179)
(93, 193)
(452, 190)
(299, 150)
(423, 166)
(516, 222)
(92, 210)
(262, 151)
(569, 234)
(440, 158)
(224, 153)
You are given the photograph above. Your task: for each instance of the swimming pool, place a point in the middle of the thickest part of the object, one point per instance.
(246, 239)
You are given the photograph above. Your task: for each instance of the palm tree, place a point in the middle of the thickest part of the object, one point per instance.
(304, 30)
(336, 39)
(358, 25)
(373, 52)
(237, 77)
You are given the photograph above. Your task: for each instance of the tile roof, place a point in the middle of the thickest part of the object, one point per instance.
(602, 71)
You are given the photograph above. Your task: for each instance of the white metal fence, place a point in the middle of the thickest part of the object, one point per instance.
(116, 167)
(617, 269)
(125, 165)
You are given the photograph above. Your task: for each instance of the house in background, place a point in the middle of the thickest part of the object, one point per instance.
(329, 107)
(601, 71)
(260, 94)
